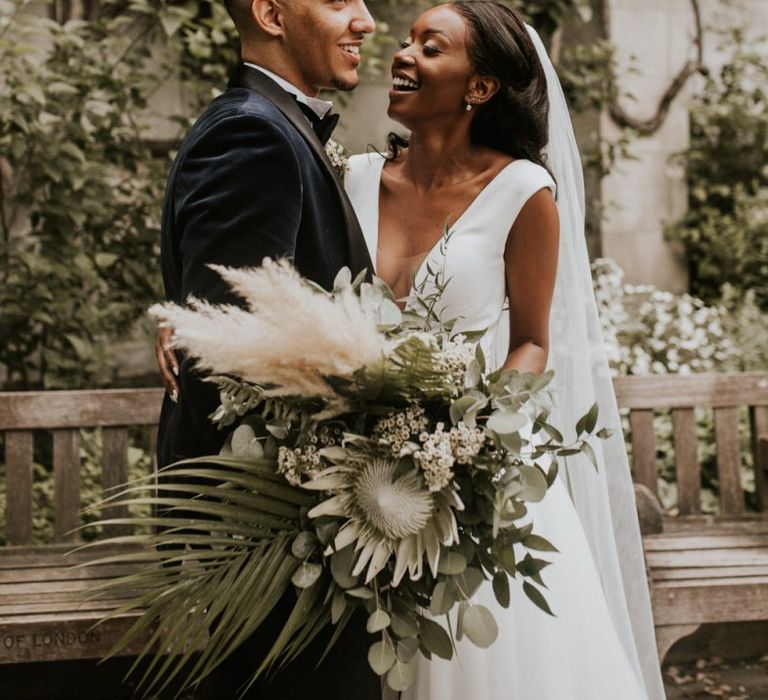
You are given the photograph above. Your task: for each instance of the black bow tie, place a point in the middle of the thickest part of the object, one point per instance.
(323, 126)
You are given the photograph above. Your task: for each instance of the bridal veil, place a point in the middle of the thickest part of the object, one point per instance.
(604, 498)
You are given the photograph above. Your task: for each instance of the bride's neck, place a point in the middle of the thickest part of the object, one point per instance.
(439, 160)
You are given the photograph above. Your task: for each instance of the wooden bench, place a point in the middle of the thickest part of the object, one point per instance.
(704, 568)
(43, 616)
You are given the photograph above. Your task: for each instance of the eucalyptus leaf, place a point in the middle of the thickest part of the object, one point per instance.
(360, 592)
(435, 638)
(480, 626)
(303, 545)
(504, 423)
(537, 597)
(341, 567)
(245, 443)
(451, 563)
(401, 675)
(306, 575)
(469, 581)
(402, 626)
(535, 484)
(381, 657)
(501, 588)
(443, 599)
(539, 543)
(406, 648)
(377, 621)
(589, 452)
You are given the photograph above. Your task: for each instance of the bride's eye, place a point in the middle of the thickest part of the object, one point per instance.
(430, 50)
(404, 44)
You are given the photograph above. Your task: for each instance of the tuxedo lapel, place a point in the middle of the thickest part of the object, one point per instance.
(255, 80)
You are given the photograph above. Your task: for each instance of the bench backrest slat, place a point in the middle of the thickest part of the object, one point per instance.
(19, 460)
(687, 461)
(758, 422)
(79, 409)
(729, 460)
(66, 484)
(685, 391)
(114, 472)
(643, 448)
(721, 397)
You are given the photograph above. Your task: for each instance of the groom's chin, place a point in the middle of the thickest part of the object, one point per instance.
(344, 84)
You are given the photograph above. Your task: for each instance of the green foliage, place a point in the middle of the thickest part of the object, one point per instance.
(80, 199)
(725, 232)
(139, 465)
(648, 331)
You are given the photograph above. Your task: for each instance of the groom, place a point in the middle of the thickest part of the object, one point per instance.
(251, 180)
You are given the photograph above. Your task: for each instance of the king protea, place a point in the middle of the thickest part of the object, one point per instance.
(389, 510)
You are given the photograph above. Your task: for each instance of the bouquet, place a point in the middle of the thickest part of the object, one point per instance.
(374, 463)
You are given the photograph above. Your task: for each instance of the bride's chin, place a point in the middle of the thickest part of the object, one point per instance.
(395, 113)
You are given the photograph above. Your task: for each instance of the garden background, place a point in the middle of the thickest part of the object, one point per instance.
(668, 98)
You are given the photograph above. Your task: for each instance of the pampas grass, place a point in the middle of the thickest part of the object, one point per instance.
(289, 339)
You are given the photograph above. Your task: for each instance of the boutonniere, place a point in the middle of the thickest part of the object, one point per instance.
(337, 155)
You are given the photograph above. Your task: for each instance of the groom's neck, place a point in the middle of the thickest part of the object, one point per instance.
(272, 58)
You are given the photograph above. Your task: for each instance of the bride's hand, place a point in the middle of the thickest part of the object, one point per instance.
(167, 362)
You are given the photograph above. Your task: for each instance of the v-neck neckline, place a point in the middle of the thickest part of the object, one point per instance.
(373, 250)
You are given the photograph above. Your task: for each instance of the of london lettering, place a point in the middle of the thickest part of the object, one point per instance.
(47, 639)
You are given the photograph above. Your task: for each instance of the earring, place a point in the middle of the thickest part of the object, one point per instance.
(469, 106)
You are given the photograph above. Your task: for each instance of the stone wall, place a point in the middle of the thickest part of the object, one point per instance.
(653, 39)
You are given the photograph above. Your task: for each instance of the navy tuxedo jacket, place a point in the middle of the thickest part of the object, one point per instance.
(251, 180)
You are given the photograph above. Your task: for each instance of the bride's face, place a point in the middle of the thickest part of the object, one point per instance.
(432, 70)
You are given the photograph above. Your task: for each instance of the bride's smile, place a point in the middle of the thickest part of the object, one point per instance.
(432, 72)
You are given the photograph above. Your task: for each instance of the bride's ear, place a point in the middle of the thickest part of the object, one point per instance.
(482, 88)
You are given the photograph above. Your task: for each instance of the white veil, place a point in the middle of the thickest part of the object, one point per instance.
(604, 499)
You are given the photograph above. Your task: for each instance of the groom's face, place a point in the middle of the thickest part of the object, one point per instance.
(323, 39)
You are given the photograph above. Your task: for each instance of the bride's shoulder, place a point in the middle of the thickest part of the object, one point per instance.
(534, 174)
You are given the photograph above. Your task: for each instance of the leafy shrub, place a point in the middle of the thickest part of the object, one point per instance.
(725, 232)
(651, 331)
(139, 464)
(648, 331)
(80, 198)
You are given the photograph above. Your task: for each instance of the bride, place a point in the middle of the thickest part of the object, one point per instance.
(492, 159)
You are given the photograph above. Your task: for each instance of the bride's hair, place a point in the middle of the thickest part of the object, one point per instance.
(515, 119)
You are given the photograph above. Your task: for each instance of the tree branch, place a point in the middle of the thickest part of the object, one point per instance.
(646, 127)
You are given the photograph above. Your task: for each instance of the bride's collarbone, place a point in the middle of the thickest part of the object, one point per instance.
(413, 218)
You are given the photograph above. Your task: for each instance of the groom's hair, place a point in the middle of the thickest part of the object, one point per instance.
(240, 12)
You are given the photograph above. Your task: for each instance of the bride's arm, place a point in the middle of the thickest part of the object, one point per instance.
(530, 259)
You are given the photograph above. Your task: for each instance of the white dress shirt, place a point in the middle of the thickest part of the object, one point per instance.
(319, 107)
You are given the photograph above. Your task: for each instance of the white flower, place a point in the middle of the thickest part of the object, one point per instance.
(337, 155)
(388, 512)
(291, 353)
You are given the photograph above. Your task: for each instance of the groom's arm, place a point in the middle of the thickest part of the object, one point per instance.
(238, 199)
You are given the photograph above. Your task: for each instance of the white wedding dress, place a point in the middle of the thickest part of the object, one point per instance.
(575, 655)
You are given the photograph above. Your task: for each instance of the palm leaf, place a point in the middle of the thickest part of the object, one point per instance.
(213, 573)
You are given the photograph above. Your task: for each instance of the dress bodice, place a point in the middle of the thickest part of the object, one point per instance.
(471, 256)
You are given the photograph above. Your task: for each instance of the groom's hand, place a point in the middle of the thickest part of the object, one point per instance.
(167, 362)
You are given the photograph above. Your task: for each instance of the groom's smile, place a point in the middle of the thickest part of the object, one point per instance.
(323, 39)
